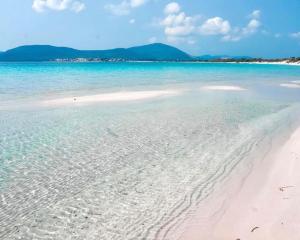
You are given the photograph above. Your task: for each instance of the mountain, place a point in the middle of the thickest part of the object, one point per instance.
(38, 53)
(155, 52)
(160, 51)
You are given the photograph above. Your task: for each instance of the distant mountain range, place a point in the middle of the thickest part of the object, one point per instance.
(150, 52)
(154, 52)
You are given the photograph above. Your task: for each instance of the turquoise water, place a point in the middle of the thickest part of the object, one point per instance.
(133, 169)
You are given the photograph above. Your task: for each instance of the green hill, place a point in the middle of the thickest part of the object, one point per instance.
(155, 52)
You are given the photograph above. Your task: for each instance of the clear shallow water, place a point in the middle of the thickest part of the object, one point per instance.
(128, 170)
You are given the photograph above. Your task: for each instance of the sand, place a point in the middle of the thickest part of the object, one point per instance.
(278, 63)
(111, 97)
(291, 85)
(263, 205)
(223, 88)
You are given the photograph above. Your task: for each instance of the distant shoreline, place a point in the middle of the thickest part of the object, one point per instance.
(150, 61)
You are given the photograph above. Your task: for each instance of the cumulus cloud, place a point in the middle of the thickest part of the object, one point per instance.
(177, 25)
(58, 5)
(172, 8)
(120, 9)
(252, 27)
(215, 26)
(124, 7)
(255, 14)
(78, 6)
(132, 21)
(137, 3)
(238, 33)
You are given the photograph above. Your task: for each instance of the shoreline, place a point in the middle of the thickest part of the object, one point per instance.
(149, 61)
(276, 63)
(260, 204)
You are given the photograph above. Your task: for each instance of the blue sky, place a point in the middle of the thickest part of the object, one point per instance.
(267, 28)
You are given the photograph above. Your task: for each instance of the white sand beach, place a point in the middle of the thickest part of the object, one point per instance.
(111, 97)
(223, 88)
(263, 205)
(278, 63)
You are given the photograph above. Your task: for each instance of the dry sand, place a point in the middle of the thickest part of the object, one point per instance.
(263, 205)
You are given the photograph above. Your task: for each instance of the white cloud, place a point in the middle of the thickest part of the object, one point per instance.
(58, 5)
(78, 6)
(120, 9)
(172, 8)
(252, 27)
(132, 21)
(137, 3)
(177, 25)
(183, 30)
(255, 14)
(238, 33)
(124, 7)
(215, 26)
(296, 35)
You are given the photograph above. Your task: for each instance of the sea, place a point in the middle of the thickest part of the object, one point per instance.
(130, 169)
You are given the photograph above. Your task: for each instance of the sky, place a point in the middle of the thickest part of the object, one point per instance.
(256, 28)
